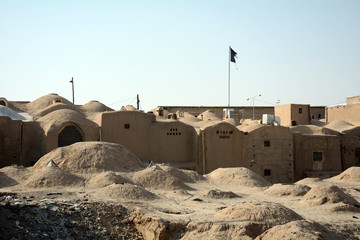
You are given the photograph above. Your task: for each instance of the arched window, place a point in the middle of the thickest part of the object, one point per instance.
(69, 135)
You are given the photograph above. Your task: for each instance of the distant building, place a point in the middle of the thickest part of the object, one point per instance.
(293, 114)
(349, 112)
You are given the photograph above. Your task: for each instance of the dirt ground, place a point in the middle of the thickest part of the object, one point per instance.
(161, 202)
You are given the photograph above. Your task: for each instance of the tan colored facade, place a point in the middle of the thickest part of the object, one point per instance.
(174, 142)
(20, 142)
(269, 153)
(355, 99)
(239, 112)
(350, 148)
(316, 156)
(131, 129)
(220, 145)
(293, 114)
(349, 113)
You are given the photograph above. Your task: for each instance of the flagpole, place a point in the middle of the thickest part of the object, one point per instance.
(229, 77)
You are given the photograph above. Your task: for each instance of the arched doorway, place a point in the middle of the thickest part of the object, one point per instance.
(69, 135)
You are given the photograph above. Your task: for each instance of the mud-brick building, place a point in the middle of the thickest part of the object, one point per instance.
(167, 141)
(269, 153)
(316, 155)
(220, 146)
(131, 129)
(349, 142)
(64, 127)
(293, 114)
(173, 142)
(349, 112)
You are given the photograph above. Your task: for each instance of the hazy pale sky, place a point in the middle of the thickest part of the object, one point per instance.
(176, 52)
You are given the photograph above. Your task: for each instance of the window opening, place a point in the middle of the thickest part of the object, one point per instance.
(267, 172)
(317, 156)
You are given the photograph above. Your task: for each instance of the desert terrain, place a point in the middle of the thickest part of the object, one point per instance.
(97, 190)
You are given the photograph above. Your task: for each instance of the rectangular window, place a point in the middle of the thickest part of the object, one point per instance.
(267, 172)
(319, 116)
(222, 136)
(317, 156)
(127, 126)
(300, 110)
(266, 143)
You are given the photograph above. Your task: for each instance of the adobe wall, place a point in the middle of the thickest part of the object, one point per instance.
(245, 112)
(317, 113)
(355, 99)
(306, 145)
(10, 141)
(350, 147)
(131, 129)
(173, 142)
(349, 113)
(32, 143)
(269, 150)
(89, 132)
(301, 117)
(223, 147)
(293, 114)
(284, 112)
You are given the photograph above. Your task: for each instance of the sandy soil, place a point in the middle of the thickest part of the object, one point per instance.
(161, 202)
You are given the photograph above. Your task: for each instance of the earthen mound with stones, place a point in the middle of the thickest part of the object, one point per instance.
(105, 179)
(92, 157)
(320, 195)
(216, 193)
(287, 190)
(274, 213)
(126, 191)
(156, 178)
(183, 175)
(237, 177)
(52, 176)
(299, 230)
(351, 174)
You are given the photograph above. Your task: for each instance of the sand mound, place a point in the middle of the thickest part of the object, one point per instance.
(218, 194)
(287, 190)
(126, 191)
(183, 175)
(6, 181)
(299, 230)
(319, 195)
(155, 177)
(273, 213)
(92, 157)
(52, 176)
(351, 174)
(18, 173)
(105, 179)
(237, 177)
(223, 230)
(309, 181)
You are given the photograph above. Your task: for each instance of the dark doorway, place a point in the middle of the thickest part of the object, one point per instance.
(357, 157)
(69, 135)
(293, 123)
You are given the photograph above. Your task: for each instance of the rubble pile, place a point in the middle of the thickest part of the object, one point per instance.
(30, 218)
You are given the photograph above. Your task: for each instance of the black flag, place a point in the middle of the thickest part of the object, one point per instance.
(232, 55)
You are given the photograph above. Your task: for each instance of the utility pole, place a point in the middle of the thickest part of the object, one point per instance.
(137, 102)
(72, 83)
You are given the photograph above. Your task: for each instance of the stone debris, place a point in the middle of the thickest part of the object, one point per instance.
(52, 219)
